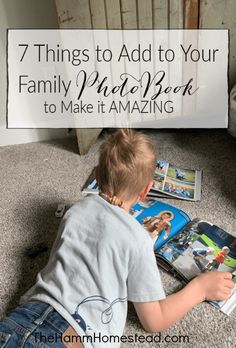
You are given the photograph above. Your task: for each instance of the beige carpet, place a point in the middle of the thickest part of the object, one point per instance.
(36, 177)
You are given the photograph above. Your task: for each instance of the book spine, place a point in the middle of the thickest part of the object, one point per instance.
(198, 180)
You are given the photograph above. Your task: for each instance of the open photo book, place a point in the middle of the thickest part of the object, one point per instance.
(169, 182)
(176, 182)
(186, 248)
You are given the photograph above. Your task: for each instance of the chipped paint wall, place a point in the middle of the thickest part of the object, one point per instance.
(131, 14)
(220, 14)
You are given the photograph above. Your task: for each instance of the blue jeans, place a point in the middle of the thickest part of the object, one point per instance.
(33, 324)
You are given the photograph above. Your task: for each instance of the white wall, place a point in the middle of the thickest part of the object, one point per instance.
(22, 14)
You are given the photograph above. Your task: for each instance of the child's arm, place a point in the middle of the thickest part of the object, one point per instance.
(159, 315)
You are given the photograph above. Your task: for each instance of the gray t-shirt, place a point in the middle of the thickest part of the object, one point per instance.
(101, 258)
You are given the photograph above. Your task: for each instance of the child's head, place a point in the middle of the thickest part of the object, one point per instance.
(126, 164)
(226, 250)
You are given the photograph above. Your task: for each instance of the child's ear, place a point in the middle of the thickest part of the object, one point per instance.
(145, 191)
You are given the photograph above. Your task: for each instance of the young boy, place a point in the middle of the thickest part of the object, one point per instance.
(101, 259)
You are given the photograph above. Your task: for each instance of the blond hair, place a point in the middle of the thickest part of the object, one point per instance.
(126, 164)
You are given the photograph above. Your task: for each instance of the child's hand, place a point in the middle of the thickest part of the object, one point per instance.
(215, 286)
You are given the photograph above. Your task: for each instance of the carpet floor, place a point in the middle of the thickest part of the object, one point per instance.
(36, 177)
